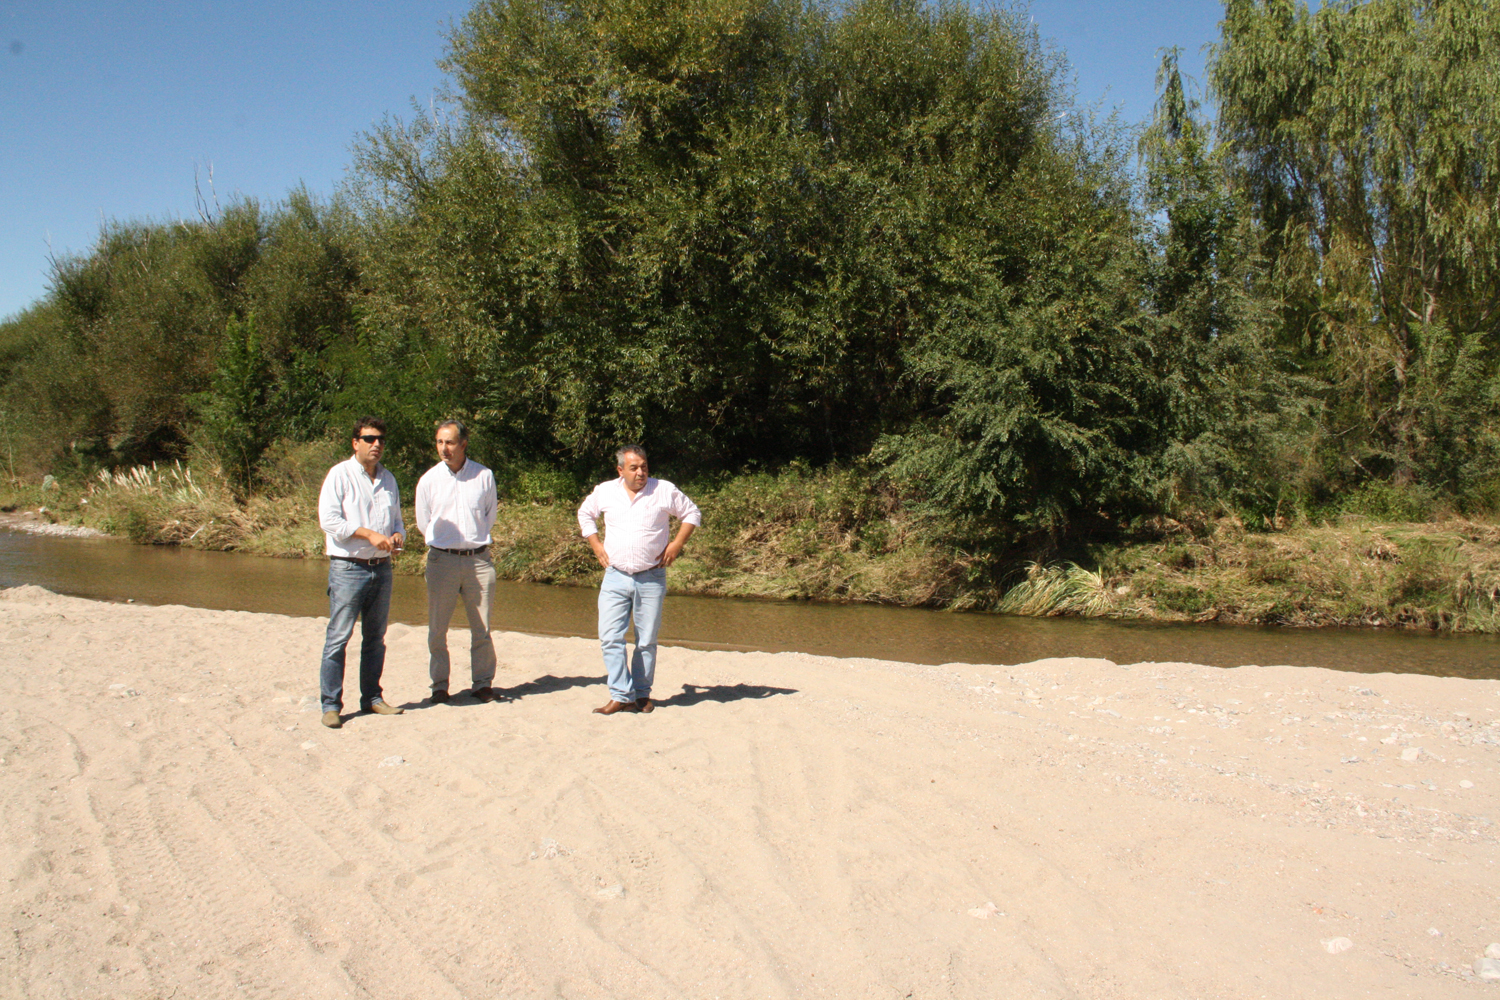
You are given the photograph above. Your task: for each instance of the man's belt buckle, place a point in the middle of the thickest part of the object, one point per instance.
(460, 552)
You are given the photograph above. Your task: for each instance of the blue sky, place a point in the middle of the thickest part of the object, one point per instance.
(107, 108)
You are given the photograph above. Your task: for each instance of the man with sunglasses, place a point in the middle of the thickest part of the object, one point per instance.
(359, 510)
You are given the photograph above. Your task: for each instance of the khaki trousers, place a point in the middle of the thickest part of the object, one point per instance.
(450, 577)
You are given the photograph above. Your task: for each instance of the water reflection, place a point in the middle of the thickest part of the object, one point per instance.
(116, 571)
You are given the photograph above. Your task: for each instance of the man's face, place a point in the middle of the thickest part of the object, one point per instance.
(451, 448)
(633, 471)
(367, 450)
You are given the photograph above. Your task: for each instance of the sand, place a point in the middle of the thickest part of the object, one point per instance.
(176, 823)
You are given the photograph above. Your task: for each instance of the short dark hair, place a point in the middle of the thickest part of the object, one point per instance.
(463, 432)
(628, 449)
(363, 422)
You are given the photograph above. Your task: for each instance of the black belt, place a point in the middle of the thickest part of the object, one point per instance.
(459, 552)
(362, 562)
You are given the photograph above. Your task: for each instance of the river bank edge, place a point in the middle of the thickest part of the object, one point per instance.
(828, 537)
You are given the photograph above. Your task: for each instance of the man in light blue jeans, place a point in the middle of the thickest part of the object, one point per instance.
(635, 553)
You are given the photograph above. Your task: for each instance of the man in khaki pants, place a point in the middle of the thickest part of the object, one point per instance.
(456, 508)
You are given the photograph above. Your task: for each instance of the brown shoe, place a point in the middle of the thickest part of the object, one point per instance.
(379, 707)
(644, 705)
(332, 720)
(611, 707)
(485, 695)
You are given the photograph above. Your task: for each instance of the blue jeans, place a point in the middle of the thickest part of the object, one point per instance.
(363, 592)
(623, 596)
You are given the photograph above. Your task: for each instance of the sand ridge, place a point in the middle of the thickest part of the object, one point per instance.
(176, 823)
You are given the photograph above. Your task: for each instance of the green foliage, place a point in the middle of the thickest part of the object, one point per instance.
(774, 239)
(1365, 139)
(718, 227)
(231, 414)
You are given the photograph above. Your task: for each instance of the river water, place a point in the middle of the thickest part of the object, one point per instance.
(106, 569)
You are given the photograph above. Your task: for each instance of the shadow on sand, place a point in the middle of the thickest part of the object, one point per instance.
(692, 694)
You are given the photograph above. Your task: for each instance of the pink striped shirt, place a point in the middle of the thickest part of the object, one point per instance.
(636, 532)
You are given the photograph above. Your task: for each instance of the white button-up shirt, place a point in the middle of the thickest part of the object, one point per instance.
(456, 510)
(635, 531)
(349, 500)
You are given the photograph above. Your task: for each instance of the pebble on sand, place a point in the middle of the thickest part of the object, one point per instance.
(1336, 945)
(986, 911)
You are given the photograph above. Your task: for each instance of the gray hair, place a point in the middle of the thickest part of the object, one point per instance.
(463, 432)
(628, 449)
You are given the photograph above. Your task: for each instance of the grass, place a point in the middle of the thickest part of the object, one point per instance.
(831, 535)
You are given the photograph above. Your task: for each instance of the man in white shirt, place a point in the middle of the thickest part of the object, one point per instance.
(635, 554)
(456, 506)
(359, 510)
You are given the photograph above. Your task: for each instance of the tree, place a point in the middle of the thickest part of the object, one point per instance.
(1365, 138)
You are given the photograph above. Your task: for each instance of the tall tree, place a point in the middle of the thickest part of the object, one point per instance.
(1366, 139)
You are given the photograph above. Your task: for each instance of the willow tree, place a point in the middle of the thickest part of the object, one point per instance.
(1366, 139)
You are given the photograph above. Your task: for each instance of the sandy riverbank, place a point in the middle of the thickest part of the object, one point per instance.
(176, 823)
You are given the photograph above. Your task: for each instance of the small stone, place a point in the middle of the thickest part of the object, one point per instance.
(550, 848)
(309, 745)
(1487, 968)
(612, 892)
(1466, 783)
(1493, 951)
(130, 725)
(985, 912)
(1336, 945)
(117, 687)
(1411, 753)
(1434, 932)
(395, 760)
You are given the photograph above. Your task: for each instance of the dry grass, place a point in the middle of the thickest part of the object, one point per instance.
(1443, 575)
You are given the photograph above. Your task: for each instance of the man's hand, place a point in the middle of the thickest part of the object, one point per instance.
(385, 543)
(598, 546)
(674, 547)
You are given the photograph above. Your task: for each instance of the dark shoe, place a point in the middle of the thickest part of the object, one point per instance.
(438, 697)
(379, 707)
(484, 695)
(611, 707)
(332, 720)
(644, 705)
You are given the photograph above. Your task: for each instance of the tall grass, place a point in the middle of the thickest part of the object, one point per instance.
(1058, 590)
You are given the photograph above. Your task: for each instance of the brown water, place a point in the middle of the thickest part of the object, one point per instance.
(116, 571)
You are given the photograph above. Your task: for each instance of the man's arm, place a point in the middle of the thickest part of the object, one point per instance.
(398, 537)
(688, 514)
(424, 506)
(674, 547)
(588, 525)
(331, 506)
(490, 505)
(597, 544)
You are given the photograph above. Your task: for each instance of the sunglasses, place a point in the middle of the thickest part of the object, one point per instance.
(371, 438)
